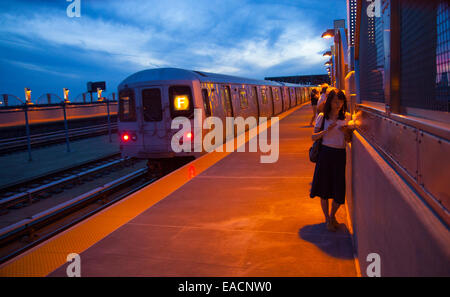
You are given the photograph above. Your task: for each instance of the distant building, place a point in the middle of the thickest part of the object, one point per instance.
(302, 79)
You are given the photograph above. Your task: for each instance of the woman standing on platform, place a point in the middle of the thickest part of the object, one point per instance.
(329, 174)
(314, 99)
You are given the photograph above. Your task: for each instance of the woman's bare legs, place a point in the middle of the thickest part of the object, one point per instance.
(314, 108)
(334, 209)
(324, 204)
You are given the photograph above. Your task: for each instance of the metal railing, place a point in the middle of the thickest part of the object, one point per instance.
(11, 144)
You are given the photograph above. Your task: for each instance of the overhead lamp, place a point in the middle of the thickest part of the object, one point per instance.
(66, 95)
(328, 34)
(327, 54)
(28, 96)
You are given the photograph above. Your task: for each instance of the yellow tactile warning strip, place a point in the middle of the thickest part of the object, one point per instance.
(48, 256)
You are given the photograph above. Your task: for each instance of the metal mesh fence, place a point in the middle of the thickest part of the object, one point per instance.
(424, 54)
(371, 57)
(424, 51)
(443, 56)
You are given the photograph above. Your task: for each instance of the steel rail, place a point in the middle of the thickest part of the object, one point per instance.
(45, 218)
(29, 194)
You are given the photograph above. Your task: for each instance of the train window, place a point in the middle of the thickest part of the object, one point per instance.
(181, 103)
(226, 101)
(243, 98)
(151, 104)
(206, 103)
(127, 106)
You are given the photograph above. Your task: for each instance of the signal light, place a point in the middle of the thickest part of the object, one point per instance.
(189, 135)
(126, 137)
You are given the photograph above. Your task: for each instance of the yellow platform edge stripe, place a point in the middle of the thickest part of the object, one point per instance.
(51, 254)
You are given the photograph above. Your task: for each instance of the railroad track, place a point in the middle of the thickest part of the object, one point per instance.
(19, 143)
(27, 192)
(23, 235)
(31, 230)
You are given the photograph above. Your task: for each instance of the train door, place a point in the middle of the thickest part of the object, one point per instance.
(297, 92)
(130, 138)
(277, 102)
(266, 107)
(254, 91)
(292, 97)
(206, 103)
(286, 100)
(225, 97)
(154, 129)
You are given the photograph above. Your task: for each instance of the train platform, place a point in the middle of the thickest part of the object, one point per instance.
(16, 168)
(224, 214)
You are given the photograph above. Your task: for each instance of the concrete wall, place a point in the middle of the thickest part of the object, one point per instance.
(390, 219)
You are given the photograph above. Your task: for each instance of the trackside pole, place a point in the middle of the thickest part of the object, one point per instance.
(109, 122)
(27, 126)
(66, 128)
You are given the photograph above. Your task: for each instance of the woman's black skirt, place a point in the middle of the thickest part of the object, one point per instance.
(329, 175)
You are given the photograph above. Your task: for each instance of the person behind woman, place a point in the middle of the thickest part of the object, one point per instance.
(314, 99)
(322, 99)
(329, 174)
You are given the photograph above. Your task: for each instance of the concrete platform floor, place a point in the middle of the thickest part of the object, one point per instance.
(15, 167)
(237, 218)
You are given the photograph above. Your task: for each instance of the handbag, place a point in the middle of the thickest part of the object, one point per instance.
(315, 148)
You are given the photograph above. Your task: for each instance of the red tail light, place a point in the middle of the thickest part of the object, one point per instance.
(125, 137)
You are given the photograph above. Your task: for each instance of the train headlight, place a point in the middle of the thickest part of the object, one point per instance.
(181, 102)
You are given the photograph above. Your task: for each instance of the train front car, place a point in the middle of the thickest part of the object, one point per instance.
(148, 101)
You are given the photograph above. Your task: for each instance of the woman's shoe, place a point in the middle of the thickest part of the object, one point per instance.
(334, 222)
(330, 226)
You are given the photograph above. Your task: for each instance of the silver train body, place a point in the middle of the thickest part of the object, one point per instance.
(148, 102)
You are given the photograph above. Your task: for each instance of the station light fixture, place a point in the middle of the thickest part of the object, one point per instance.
(328, 63)
(66, 95)
(99, 94)
(327, 54)
(328, 34)
(28, 96)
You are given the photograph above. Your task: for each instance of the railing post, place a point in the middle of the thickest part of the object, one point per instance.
(66, 128)
(5, 99)
(27, 127)
(109, 122)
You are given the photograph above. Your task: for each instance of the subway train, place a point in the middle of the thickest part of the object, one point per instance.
(149, 100)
